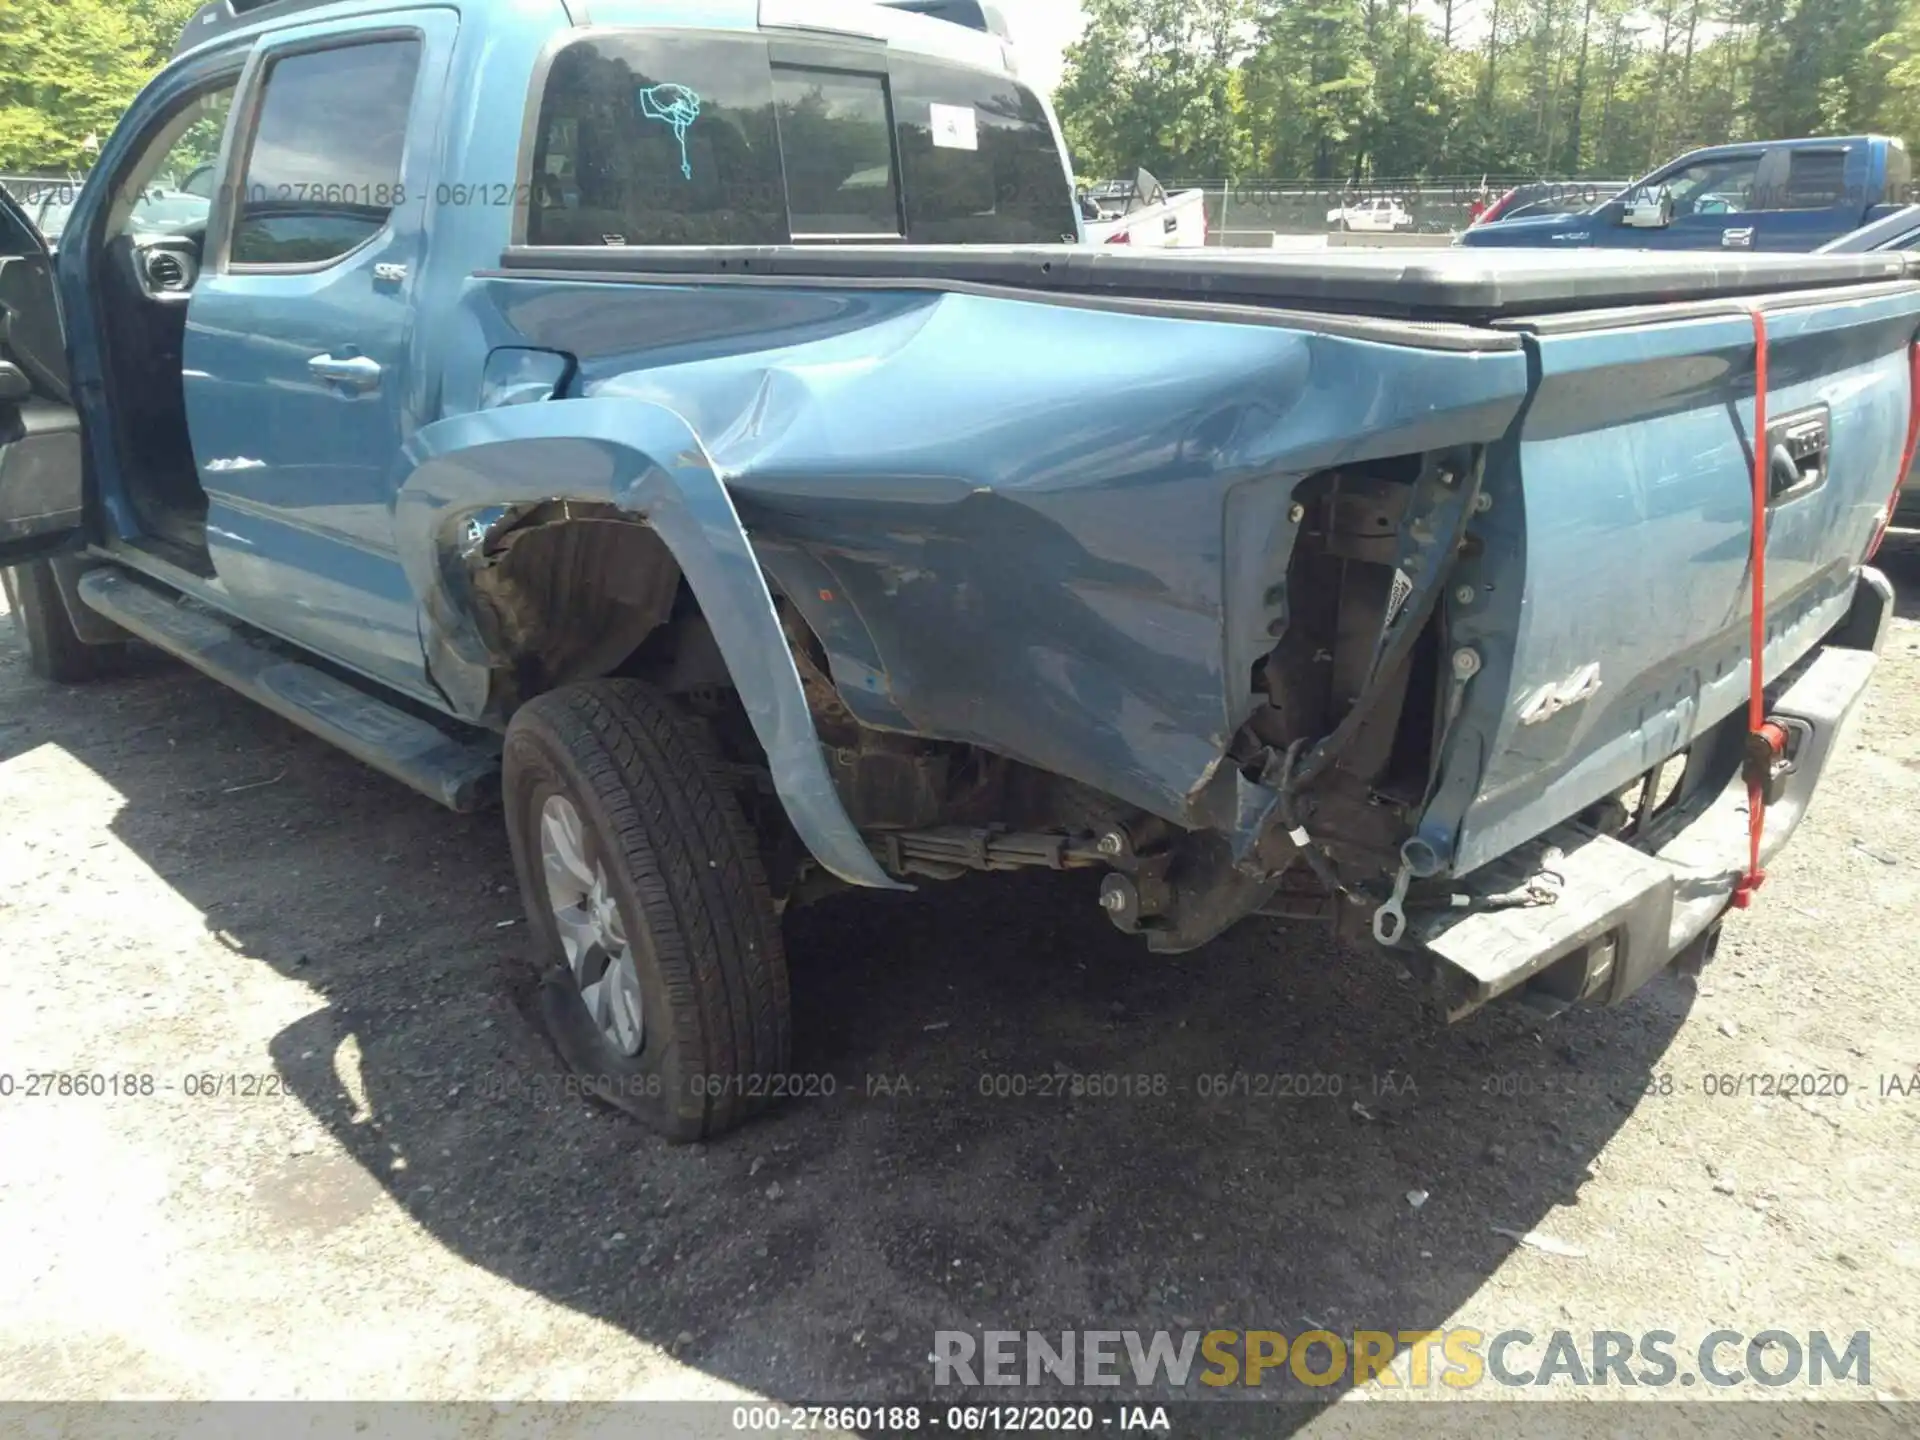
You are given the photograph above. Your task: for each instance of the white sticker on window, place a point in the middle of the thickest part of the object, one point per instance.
(955, 127)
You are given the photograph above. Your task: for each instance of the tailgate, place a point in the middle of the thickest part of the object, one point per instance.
(1615, 549)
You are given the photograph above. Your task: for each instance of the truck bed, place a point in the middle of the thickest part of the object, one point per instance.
(1449, 286)
(1070, 533)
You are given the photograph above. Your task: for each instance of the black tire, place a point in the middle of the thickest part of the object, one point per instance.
(683, 867)
(54, 648)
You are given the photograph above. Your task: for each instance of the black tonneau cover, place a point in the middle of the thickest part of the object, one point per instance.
(1468, 286)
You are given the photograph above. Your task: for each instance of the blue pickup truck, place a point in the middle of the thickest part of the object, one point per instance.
(702, 431)
(1780, 195)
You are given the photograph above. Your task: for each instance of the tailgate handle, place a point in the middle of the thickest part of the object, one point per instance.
(1785, 473)
(1797, 449)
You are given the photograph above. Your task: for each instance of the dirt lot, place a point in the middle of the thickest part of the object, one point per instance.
(387, 1195)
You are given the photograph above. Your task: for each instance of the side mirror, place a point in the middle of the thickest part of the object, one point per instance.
(15, 388)
(1648, 210)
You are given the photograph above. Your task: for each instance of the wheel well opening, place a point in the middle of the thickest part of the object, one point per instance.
(566, 592)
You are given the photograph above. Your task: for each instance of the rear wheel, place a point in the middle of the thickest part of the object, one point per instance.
(54, 648)
(664, 977)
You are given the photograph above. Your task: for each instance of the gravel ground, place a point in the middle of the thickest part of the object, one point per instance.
(389, 1195)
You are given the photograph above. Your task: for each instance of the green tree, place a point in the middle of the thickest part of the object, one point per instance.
(1151, 83)
(1342, 90)
(69, 68)
(1312, 89)
(1897, 55)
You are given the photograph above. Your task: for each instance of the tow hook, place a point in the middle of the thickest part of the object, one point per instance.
(1543, 887)
(1771, 755)
(1390, 920)
(1417, 862)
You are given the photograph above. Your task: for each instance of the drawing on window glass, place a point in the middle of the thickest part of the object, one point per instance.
(677, 106)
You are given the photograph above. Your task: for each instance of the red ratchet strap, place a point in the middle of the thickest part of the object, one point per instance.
(1755, 877)
(1766, 740)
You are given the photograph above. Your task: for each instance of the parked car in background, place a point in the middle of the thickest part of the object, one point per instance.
(1140, 213)
(697, 430)
(1777, 195)
(159, 212)
(1379, 215)
(1548, 197)
(50, 217)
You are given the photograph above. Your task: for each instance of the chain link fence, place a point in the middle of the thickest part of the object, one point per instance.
(1239, 212)
(1255, 211)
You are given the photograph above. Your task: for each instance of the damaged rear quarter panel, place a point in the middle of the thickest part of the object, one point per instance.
(469, 471)
(1045, 529)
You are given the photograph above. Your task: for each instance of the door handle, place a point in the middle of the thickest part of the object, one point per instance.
(356, 373)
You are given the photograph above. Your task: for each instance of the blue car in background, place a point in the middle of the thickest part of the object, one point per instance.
(1775, 195)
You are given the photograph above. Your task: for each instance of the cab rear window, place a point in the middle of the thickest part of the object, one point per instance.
(650, 138)
(649, 142)
(838, 154)
(1816, 179)
(980, 160)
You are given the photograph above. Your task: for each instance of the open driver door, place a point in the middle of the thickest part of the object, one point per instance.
(42, 498)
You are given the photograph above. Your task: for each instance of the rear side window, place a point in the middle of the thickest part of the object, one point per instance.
(979, 160)
(1816, 179)
(687, 139)
(323, 170)
(1725, 186)
(651, 141)
(837, 146)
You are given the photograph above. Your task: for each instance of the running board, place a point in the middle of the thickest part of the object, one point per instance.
(461, 773)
